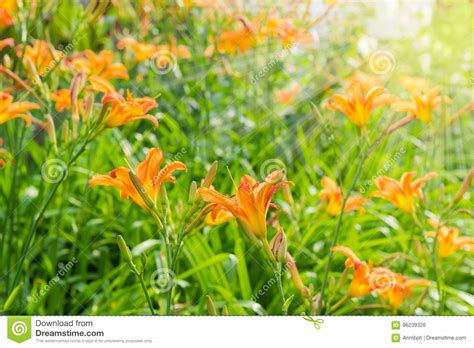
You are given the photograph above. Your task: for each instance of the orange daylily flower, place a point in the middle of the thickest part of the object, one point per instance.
(41, 54)
(100, 64)
(6, 42)
(358, 106)
(422, 104)
(401, 193)
(387, 284)
(360, 285)
(7, 9)
(62, 98)
(398, 287)
(287, 96)
(331, 193)
(141, 51)
(149, 173)
(179, 51)
(10, 109)
(250, 206)
(218, 215)
(128, 109)
(284, 29)
(368, 81)
(449, 240)
(240, 40)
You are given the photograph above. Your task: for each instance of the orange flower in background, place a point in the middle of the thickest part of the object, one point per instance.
(238, 41)
(366, 80)
(401, 193)
(250, 206)
(287, 96)
(179, 51)
(41, 54)
(7, 9)
(360, 281)
(449, 240)
(6, 42)
(62, 99)
(387, 284)
(141, 51)
(283, 29)
(358, 106)
(100, 64)
(10, 109)
(331, 193)
(422, 105)
(149, 173)
(218, 215)
(128, 109)
(397, 287)
(414, 84)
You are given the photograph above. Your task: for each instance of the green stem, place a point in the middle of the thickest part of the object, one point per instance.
(338, 226)
(276, 268)
(145, 291)
(39, 216)
(339, 303)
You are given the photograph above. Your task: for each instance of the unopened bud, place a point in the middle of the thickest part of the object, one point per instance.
(124, 250)
(141, 190)
(287, 193)
(464, 187)
(296, 278)
(211, 175)
(278, 246)
(192, 192)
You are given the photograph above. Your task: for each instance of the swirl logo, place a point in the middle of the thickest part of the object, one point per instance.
(382, 280)
(163, 62)
(54, 170)
(162, 280)
(269, 166)
(382, 62)
(19, 329)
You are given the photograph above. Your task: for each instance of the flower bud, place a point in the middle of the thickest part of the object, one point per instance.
(211, 174)
(278, 246)
(464, 187)
(296, 278)
(124, 250)
(192, 192)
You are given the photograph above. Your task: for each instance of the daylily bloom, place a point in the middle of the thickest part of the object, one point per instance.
(401, 193)
(283, 29)
(62, 98)
(358, 106)
(6, 42)
(7, 9)
(41, 54)
(399, 288)
(331, 193)
(179, 51)
(10, 109)
(360, 285)
(368, 81)
(287, 96)
(141, 51)
(218, 215)
(449, 240)
(387, 284)
(240, 40)
(128, 109)
(422, 104)
(250, 206)
(100, 64)
(149, 173)
(414, 84)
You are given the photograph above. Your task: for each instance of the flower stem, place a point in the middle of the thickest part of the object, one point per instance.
(338, 227)
(339, 303)
(276, 268)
